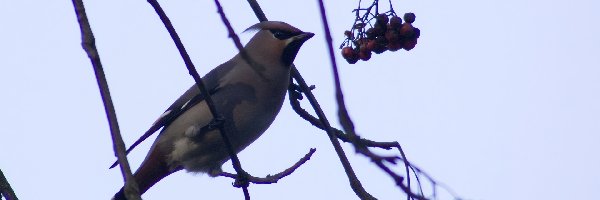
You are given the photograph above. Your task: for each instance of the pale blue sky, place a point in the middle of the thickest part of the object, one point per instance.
(499, 100)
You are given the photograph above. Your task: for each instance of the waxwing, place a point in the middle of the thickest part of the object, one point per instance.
(247, 96)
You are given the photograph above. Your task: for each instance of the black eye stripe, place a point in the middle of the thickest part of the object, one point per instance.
(283, 35)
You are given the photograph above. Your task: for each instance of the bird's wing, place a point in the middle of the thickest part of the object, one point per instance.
(190, 98)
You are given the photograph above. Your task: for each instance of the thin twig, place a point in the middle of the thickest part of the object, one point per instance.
(5, 189)
(257, 10)
(217, 117)
(295, 103)
(295, 96)
(238, 44)
(354, 181)
(360, 144)
(258, 68)
(269, 179)
(88, 44)
(344, 117)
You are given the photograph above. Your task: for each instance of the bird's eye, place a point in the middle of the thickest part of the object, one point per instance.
(281, 35)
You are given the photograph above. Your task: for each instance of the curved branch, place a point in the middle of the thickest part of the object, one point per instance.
(269, 179)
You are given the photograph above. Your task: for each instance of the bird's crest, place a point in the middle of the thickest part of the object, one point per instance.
(273, 25)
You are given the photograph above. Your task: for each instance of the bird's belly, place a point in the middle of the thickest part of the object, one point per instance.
(244, 124)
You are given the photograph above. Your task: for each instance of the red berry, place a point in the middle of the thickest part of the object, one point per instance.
(347, 52)
(376, 47)
(407, 30)
(350, 55)
(394, 46)
(410, 44)
(395, 22)
(391, 35)
(382, 18)
(364, 54)
(352, 60)
(371, 44)
(381, 40)
(372, 33)
(364, 46)
(380, 27)
(417, 33)
(379, 45)
(409, 17)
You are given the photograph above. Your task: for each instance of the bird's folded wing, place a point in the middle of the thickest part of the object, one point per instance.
(190, 98)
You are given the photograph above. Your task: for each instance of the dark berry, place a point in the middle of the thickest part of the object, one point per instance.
(409, 44)
(394, 46)
(395, 22)
(352, 60)
(377, 46)
(372, 33)
(392, 35)
(382, 18)
(364, 54)
(409, 17)
(407, 30)
(350, 55)
(417, 33)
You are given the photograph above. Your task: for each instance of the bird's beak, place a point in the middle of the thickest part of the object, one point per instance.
(304, 36)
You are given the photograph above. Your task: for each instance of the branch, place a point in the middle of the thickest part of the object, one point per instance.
(346, 121)
(354, 181)
(269, 179)
(217, 117)
(295, 95)
(257, 11)
(5, 189)
(238, 44)
(361, 145)
(88, 44)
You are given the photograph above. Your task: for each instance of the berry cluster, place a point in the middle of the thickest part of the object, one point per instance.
(388, 33)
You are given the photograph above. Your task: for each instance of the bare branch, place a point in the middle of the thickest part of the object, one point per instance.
(354, 181)
(5, 189)
(89, 45)
(361, 145)
(192, 70)
(269, 179)
(345, 119)
(257, 10)
(295, 95)
(238, 44)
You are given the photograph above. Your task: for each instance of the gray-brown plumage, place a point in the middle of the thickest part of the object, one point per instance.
(248, 97)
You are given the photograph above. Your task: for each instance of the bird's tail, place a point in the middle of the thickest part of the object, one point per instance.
(153, 169)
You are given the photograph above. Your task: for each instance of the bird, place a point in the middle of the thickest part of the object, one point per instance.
(247, 96)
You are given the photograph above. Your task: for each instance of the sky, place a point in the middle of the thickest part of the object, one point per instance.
(499, 99)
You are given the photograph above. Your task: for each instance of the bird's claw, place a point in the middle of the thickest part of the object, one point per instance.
(242, 179)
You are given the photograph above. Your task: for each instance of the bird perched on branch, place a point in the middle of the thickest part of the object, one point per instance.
(248, 96)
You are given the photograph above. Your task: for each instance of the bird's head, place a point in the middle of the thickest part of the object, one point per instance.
(276, 42)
